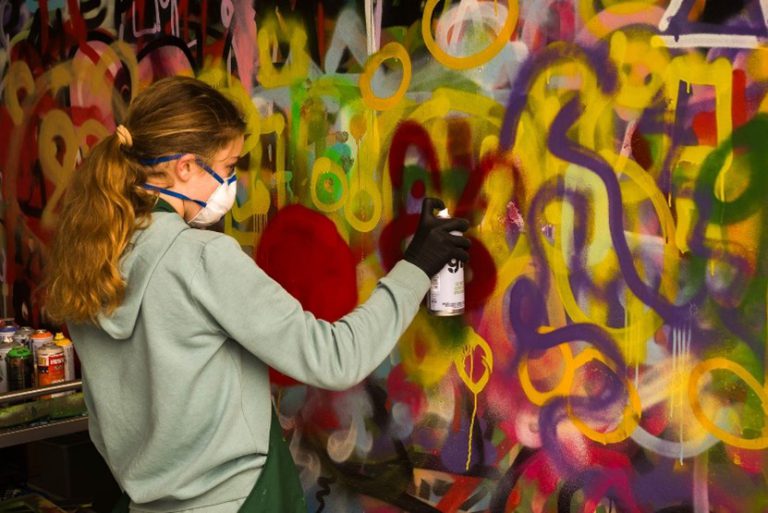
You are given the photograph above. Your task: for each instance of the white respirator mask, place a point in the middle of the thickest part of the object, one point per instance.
(219, 202)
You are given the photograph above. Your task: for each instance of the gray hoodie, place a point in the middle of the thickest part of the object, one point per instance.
(176, 380)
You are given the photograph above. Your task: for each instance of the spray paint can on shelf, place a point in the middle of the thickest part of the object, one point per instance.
(6, 344)
(22, 336)
(20, 368)
(50, 366)
(39, 338)
(446, 294)
(69, 355)
(8, 330)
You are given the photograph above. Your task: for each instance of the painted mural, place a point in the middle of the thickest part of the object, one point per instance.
(608, 154)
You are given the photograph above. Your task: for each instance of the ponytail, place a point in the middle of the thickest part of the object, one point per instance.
(103, 207)
(106, 202)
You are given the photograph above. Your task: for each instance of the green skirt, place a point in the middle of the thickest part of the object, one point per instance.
(278, 488)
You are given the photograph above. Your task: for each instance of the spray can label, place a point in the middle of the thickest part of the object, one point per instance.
(20, 368)
(50, 365)
(446, 293)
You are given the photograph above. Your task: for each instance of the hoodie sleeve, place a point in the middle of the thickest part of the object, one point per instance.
(257, 312)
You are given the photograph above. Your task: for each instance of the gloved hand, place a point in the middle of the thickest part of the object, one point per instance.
(433, 245)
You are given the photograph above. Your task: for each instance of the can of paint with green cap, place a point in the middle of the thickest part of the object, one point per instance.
(20, 368)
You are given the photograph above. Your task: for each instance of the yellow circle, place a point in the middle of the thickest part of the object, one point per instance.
(360, 191)
(389, 51)
(474, 60)
(324, 166)
(693, 394)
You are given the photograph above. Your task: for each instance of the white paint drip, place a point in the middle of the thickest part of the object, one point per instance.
(370, 38)
(701, 483)
(675, 351)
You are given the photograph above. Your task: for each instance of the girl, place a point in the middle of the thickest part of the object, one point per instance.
(176, 327)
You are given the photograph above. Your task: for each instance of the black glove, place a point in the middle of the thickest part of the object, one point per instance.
(433, 245)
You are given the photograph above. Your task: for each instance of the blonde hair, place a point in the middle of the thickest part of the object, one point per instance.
(106, 202)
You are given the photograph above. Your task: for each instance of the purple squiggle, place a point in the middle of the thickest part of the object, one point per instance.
(564, 148)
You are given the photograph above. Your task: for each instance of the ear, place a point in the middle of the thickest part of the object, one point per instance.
(183, 167)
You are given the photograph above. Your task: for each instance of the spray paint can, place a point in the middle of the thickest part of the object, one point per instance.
(50, 366)
(69, 355)
(446, 293)
(6, 344)
(38, 339)
(22, 336)
(26, 330)
(7, 330)
(20, 368)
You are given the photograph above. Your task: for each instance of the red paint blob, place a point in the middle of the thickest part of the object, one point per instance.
(302, 251)
(418, 190)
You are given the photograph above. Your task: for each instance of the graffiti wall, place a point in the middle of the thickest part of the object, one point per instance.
(608, 154)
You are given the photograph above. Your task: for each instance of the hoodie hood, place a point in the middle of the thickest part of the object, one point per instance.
(137, 267)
